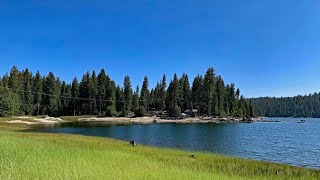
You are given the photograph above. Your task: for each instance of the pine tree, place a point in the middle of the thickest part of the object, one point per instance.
(135, 99)
(173, 95)
(162, 93)
(127, 95)
(152, 103)
(9, 103)
(75, 95)
(37, 88)
(65, 99)
(242, 107)
(197, 93)
(58, 94)
(51, 100)
(185, 101)
(157, 97)
(251, 109)
(227, 101)
(102, 91)
(28, 97)
(145, 95)
(5, 80)
(232, 100)
(221, 93)
(209, 91)
(119, 100)
(14, 80)
(237, 103)
(94, 93)
(110, 97)
(84, 93)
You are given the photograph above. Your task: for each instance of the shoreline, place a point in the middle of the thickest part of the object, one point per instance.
(22, 127)
(125, 120)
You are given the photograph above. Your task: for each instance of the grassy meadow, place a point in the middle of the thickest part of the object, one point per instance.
(56, 156)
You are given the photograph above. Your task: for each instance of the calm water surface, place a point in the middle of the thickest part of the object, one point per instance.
(287, 142)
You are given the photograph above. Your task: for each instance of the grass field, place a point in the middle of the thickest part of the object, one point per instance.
(55, 156)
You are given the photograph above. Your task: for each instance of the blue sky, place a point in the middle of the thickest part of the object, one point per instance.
(266, 47)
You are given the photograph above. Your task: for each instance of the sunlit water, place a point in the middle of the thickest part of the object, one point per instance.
(287, 142)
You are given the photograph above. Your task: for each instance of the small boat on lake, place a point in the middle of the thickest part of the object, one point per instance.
(302, 121)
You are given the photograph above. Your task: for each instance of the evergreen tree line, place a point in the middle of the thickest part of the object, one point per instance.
(22, 93)
(298, 106)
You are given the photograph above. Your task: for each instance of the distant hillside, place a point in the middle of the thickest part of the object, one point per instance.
(298, 106)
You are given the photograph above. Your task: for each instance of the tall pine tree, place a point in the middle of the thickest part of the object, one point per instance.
(127, 95)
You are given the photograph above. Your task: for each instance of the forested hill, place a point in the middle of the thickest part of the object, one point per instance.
(298, 106)
(24, 93)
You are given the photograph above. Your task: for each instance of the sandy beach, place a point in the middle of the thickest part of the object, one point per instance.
(123, 120)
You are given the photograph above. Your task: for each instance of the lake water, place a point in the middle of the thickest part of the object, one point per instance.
(287, 142)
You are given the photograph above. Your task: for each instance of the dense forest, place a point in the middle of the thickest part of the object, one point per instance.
(22, 93)
(298, 106)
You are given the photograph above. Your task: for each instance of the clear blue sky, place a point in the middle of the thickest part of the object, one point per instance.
(266, 47)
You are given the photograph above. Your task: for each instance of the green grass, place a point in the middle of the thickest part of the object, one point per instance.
(55, 156)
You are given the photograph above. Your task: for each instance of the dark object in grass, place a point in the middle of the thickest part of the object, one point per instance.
(133, 143)
(191, 156)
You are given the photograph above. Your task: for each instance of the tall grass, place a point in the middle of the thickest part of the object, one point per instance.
(56, 156)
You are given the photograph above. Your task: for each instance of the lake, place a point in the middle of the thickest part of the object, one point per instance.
(286, 142)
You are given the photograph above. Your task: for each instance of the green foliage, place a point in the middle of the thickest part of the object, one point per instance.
(119, 99)
(102, 90)
(5, 80)
(209, 91)
(139, 112)
(173, 95)
(135, 99)
(65, 102)
(9, 103)
(100, 95)
(145, 94)
(111, 96)
(14, 82)
(110, 112)
(152, 101)
(51, 99)
(221, 93)
(127, 95)
(74, 103)
(37, 88)
(94, 93)
(185, 95)
(197, 94)
(298, 106)
(160, 94)
(84, 93)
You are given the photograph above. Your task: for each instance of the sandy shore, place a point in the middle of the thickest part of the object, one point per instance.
(150, 120)
(32, 121)
(125, 120)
